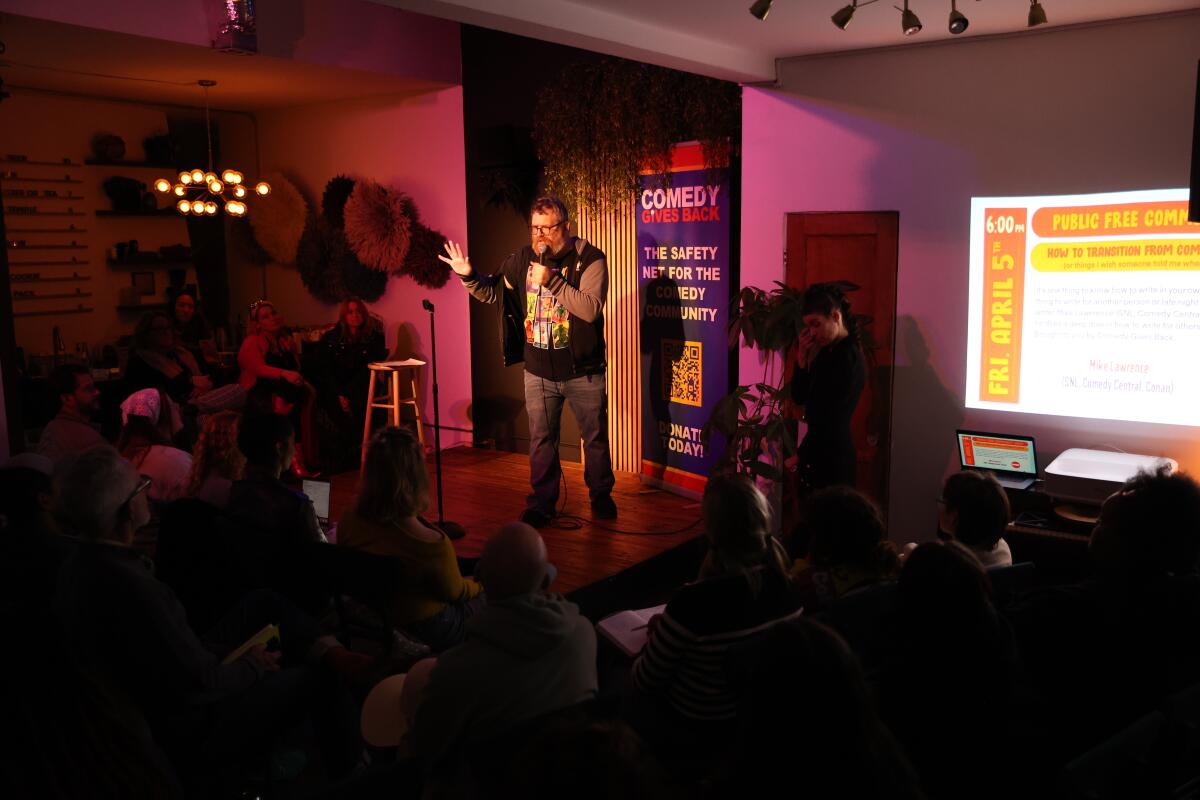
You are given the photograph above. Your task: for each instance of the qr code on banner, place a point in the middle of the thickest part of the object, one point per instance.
(682, 382)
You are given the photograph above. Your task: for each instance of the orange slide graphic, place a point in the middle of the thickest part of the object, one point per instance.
(1003, 303)
(1118, 219)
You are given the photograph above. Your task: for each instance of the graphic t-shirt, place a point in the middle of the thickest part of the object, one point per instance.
(547, 328)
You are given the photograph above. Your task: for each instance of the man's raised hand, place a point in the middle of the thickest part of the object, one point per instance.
(457, 261)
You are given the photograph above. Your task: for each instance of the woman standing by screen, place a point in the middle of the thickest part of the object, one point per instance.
(827, 381)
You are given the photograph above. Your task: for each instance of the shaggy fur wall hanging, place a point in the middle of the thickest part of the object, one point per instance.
(378, 224)
(422, 264)
(322, 258)
(278, 219)
(333, 201)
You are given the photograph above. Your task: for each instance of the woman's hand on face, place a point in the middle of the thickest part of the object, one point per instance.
(806, 349)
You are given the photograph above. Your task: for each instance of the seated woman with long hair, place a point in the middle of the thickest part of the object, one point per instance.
(149, 420)
(159, 362)
(216, 460)
(270, 373)
(340, 376)
(436, 599)
(684, 693)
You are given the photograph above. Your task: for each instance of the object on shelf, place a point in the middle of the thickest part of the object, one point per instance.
(159, 149)
(108, 147)
(125, 193)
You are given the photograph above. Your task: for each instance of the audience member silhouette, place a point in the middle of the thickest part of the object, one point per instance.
(72, 429)
(526, 653)
(808, 720)
(947, 688)
(683, 696)
(216, 460)
(149, 418)
(436, 600)
(128, 627)
(974, 510)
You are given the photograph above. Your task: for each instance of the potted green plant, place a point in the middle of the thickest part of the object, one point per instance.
(754, 419)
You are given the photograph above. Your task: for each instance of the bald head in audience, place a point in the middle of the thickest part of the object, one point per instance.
(513, 563)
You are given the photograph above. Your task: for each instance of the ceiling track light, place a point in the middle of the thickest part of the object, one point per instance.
(958, 21)
(910, 23)
(1037, 14)
(761, 8)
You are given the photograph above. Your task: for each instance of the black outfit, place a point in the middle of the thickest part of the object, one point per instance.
(586, 344)
(275, 526)
(130, 627)
(140, 375)
(195, 331)
(557, 330)
(829, 390)
(339, 369)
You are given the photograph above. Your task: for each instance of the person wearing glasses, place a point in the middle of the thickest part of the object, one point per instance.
(551, 295)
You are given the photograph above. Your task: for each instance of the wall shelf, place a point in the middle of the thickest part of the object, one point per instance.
(13, 247)
(74, 262)
(79, 309)
(19, 278)
(64, 163)
(60, 296)
(142, 307)
(19, 179)
(162, 212)
(95, 162)
(11, 213)
(8, 195)
(136, 265)
(71, 229)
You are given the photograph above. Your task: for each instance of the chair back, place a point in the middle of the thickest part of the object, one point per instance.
(1011, 581)
(371, 580)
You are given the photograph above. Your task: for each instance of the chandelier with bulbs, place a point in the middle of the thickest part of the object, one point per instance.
(203, 192)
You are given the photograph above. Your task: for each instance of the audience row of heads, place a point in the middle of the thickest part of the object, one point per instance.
(1150, 528)
(355, 320)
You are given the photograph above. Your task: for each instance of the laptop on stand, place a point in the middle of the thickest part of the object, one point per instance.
(1011, 459)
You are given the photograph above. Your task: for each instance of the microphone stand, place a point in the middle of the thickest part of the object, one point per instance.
(452, 529)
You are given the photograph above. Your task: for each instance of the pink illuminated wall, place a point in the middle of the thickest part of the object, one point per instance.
(355, 34)
(923, 129)
(413, 143)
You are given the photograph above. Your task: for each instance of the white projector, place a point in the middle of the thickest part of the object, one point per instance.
(1089, 476)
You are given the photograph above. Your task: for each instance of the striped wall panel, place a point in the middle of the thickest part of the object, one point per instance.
(615, 235)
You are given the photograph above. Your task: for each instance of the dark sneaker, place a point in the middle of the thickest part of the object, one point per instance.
(604, 508)
(536, 518)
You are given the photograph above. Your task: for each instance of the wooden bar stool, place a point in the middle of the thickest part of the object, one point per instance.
(391, 399)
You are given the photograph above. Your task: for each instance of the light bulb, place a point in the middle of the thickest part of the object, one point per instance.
(227, 176)
(263, 188)
(162, 185)
(209, 177)
(235, 208)
(197, 176)
(216, 187)
(184, 207)
(185, 178)
(179, 190)
(239, 191)
(237, 176)
(210, 208)
(198, 207)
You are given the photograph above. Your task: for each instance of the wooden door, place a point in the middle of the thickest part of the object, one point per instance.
(860, 248)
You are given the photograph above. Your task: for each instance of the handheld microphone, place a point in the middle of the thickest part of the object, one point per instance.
(428, 306)
(541, 251)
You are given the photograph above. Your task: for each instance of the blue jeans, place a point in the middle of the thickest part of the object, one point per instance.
(588, 396)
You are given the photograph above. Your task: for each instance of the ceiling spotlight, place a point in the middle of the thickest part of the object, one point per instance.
(842, 17)
(958, 22)
(761, 8)
(908, 20)
(1037, 14)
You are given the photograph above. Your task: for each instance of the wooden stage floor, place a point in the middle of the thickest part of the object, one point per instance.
(486, 488)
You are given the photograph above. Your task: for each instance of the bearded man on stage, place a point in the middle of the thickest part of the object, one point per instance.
(551, 295)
